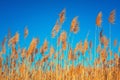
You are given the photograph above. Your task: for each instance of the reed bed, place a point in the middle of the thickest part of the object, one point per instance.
(62, 62)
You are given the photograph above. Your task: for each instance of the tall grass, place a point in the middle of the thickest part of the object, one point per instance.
(20, 63)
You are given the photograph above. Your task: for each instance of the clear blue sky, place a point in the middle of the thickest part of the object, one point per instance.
(41, 15)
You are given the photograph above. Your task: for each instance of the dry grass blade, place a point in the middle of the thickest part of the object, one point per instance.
(99, 19)
(32, 47)
(3, 49)
(62, 56)
(23, 52)
(56, 55)
(101, 33)
(97, 62)
(85, 45)
(51, 50)
(22, 68)
(74, 25)
(14, 39)
(64, 45)
(116, 56)
(0, 62)
(90, 44)
(77, 47)
(104, 41)
(111, 53)
(55, 29)
(110, 62)
(45, 58)
(14, 53)
(103, 55)
(62, 16)
(44, 47)
(25, 32)
(99, 48)
(63, 37)
(112, 17)
(3, 42)
(70, 54)
(119, 49)
(80, 46)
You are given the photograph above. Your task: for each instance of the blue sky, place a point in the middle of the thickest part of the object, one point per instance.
(41, 15)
